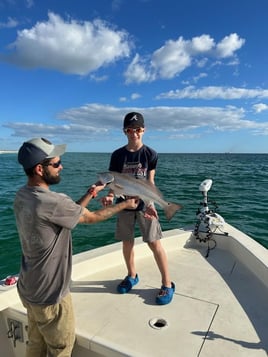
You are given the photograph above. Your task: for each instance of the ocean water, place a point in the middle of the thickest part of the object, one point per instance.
(240, 190)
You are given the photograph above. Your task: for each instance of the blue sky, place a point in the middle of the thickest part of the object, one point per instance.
(197, 71)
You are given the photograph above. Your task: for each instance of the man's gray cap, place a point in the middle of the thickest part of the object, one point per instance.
(36, 150)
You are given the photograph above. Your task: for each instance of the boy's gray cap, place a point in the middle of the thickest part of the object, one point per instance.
(36, 150)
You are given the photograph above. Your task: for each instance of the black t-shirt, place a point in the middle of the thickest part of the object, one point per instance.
(135, 163)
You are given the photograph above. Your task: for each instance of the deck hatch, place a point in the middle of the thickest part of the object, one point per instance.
(158, 323)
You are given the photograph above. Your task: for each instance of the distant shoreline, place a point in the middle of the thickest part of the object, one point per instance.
(8, 151)
(162, 153)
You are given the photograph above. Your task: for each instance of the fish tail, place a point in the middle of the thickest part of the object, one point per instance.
(171, 209)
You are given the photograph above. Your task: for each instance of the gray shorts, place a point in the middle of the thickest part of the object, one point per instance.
(125, 226)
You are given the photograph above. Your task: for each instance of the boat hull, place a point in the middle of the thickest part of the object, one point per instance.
(218, 309)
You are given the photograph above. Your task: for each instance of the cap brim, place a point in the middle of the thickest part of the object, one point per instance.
(57, 151)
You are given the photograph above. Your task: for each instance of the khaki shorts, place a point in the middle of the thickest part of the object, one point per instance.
(125, 226)
(51, 329)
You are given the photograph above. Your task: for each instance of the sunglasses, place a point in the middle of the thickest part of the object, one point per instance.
(54, 164)
(133, 130)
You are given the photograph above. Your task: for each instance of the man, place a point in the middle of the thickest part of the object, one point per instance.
(44, 222)
(139, 160)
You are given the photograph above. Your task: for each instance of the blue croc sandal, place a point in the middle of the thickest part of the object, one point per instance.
(165, 295)
(127, 284)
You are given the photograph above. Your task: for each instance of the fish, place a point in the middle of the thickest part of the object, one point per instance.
(128, 185)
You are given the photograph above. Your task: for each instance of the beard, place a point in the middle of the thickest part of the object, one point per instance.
(49, 179)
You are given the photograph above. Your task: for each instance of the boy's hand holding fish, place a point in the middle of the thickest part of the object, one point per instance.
(150, 212)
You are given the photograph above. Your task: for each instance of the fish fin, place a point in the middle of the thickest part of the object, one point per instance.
(105, 178)
(171, 209)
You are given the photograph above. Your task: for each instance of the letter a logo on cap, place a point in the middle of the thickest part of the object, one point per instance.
(134, 117)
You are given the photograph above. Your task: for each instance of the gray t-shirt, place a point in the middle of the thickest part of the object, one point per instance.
(44, 222)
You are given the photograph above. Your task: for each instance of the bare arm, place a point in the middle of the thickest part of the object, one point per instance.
(92, 192)
(150, 211)
(106, 213)
(151, 176)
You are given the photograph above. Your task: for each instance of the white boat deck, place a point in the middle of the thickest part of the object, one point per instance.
(219, 307)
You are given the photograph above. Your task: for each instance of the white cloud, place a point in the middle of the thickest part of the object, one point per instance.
(135, 96)
(170, 59)
(82, 47)
(199, 76)
(137, 71)
(202, 44)
(260, 107)
(69, 46)
(9, 24)
(212, 92)
(175, 56)
(92, 122)
(228, 46)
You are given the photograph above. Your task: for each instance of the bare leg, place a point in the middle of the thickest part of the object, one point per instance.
(161, 261)
(128, 253)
